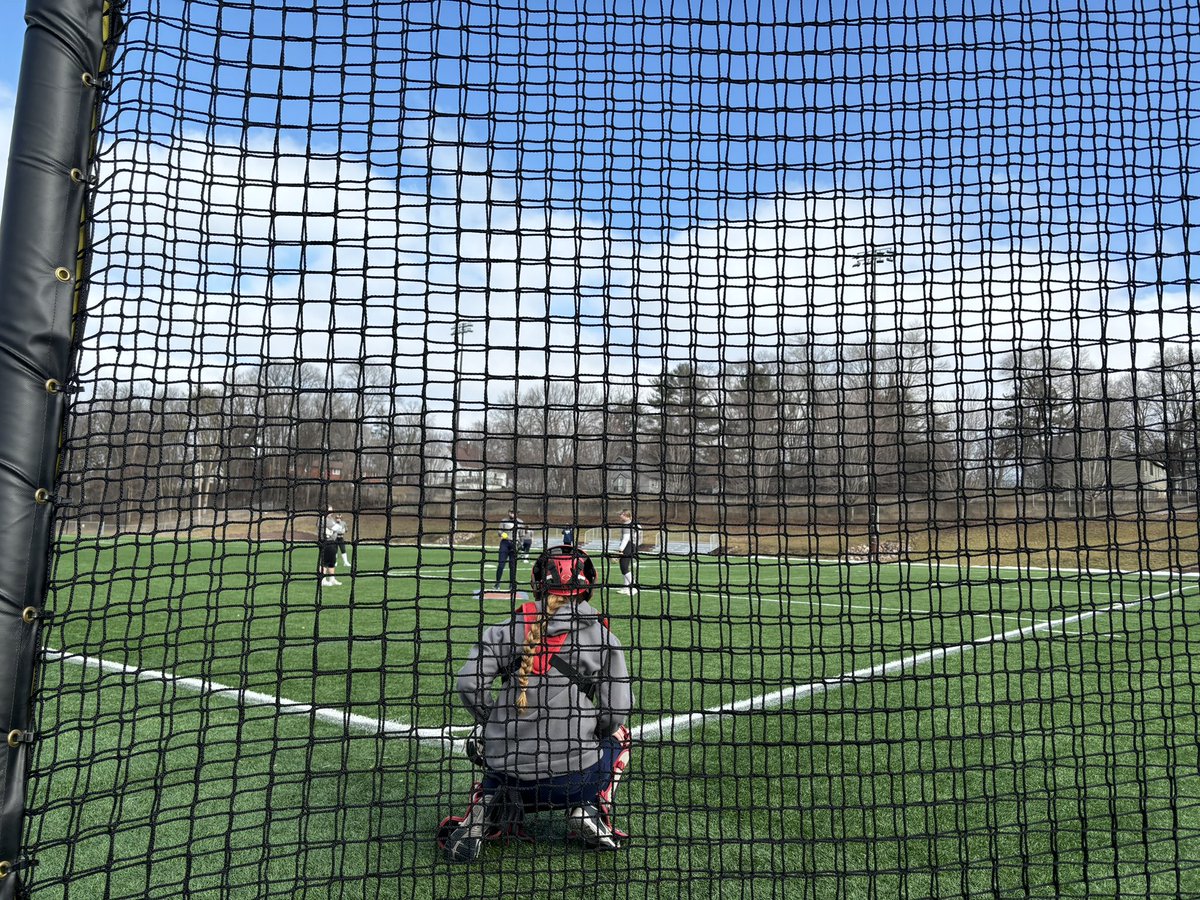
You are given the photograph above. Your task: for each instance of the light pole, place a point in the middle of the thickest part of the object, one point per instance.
(461, 330)
(869, 260)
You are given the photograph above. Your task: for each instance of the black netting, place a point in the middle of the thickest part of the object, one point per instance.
(877, 322)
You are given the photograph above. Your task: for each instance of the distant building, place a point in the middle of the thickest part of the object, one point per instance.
(1142, 479)
(1128, 478)
(624, 477)
(471, 472)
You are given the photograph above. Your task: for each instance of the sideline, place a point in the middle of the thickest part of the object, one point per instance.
(449, 735)
(671, 725)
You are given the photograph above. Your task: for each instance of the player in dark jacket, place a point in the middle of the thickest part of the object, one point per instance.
(554, 735)
(508, 559)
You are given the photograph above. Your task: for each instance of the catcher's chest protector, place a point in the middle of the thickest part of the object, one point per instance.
(551, 645)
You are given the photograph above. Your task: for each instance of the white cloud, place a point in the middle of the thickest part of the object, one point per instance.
(793, 271)
(215, 255)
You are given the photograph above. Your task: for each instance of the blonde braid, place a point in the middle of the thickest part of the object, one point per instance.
(553, 602)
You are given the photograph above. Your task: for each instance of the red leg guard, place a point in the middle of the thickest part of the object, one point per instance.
(512, 826)
(620, 764)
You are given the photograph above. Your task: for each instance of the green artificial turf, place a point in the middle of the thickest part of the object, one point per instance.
(1058, 762)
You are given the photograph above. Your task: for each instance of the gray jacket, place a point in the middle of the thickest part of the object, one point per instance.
(561, 729)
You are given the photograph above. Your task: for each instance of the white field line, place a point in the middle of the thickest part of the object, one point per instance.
(884, 609)
(827, 605)
(669, 725)
(789, 601)
(448, 736)
(452, 738)
(887, 609)
(1002, 585)
(476, 572)
(785, 561)
(929, 587)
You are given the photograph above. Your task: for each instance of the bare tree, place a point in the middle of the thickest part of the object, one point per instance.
(1165, 415)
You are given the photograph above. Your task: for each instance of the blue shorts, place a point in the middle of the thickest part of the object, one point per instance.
(562, 791)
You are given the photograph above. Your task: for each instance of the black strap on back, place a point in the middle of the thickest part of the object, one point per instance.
(587, 686)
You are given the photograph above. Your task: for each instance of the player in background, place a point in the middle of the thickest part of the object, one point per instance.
(515, 528)
(340, 525)
(631, 537)
(511, 523)
(327, 546)
(522, 537)
(554, 735)
(336, 536)
(508, 558)
(569, 536)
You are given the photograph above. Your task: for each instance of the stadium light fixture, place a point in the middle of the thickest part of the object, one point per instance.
(461, 330)
(869, 261)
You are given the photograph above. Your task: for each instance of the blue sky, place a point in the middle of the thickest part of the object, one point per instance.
(1037, 120)
(1016, 136)
(12, 37)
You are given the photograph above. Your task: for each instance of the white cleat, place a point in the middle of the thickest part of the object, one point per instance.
(588, 822)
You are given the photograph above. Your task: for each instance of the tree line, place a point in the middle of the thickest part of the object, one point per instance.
(849, 425)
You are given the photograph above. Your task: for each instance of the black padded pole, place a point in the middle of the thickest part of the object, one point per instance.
(43, 251)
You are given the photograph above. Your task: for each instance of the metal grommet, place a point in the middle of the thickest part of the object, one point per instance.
(53, 386)
(62, 273)
(5, 868)
(14, 737)
(29, 615)
(77, 176)
(88, 79)
(41, 495)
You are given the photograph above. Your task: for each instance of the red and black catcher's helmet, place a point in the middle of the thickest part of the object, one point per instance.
(566, 571)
